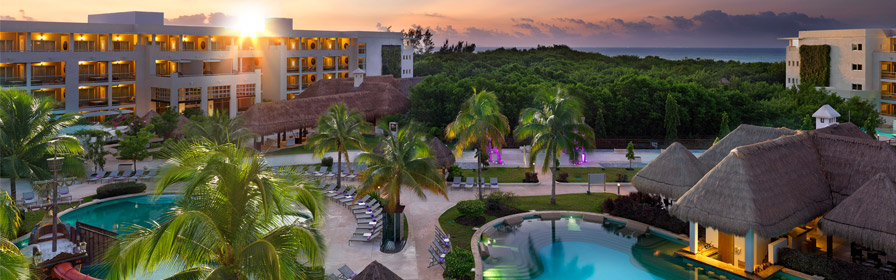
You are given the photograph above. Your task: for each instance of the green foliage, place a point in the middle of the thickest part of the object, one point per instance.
(192, 112)
(93, 141)
(337, 130)
(871, 125)
(723, 128)
(135, 147)
(471, 208)
(165, 123)
(391, 58)
(29, 134)
(459, 263)
(454, 171)
(494, 200)
(9, 217)
(118, 189)
(13, 266)
(630, 153)
(828, 268)
(672, 120)
(327, 161)
(815, 65)
(218, 128)
(479, 124)
(123, 120)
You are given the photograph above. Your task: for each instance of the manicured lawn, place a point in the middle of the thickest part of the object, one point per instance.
(305, 149)
(576, 174)
(461, 234)
(504, 175)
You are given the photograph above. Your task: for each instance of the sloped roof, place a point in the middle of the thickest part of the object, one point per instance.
(444, 157)
(847, 129)
(866, 216)
(849, 162)
(671, 174)
(376, 271)
(744, 134)
(827, 112)
(769, 187)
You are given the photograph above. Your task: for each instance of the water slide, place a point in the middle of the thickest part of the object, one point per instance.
(66, 271)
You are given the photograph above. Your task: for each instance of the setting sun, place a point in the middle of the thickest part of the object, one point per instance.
(249, 25)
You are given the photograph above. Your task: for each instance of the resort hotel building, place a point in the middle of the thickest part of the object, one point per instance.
(861, 62)
(131, 62)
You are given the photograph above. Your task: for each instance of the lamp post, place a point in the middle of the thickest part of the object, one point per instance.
(55, 164)
(618, 189)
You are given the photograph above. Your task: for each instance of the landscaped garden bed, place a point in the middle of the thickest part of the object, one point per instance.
(576, 174)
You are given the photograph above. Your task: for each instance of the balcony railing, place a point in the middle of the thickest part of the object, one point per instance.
(888, 96)
(82, 46)
(248, 69)
(122, 100)
(309, 68)
(48, 80)
(12, 81)
(44, 46)
(343, 66)
(92, 102)
(329, 67)
(291, 87)
(93, 78)
(293, 69)
(122, 46)
(123, 76)
(888, 75)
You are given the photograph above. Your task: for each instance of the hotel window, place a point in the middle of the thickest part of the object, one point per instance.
(857, 47)
(189, 94)
(857, 67)
(245, 96)
(219, 92)
(856, 86)
(161, 94)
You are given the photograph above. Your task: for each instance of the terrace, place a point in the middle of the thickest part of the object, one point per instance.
(50, 42)
(93, 72)
(92, 96)
(87, 42)
(12, 41)
(48, 73)
(55, 94)
(12, 74)
(123, 71)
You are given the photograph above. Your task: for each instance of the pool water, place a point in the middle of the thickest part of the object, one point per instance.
(571, 249)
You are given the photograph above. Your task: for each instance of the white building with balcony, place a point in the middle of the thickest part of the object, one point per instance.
(863, 63)
(132, 62)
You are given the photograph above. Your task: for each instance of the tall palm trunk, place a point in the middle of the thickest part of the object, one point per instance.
(338, 168)
(12, 187)
(348, 161)
(554, 185)
(479, 172)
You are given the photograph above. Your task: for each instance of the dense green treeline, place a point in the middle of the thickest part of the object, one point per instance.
(625, 96)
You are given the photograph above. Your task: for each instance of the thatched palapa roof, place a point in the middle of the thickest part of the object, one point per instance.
(769, 187)
(671, 174)
(377, 96)
(376, 271)
(866, 216)
(844, 129)
(149, 115)
(744, 134)
(849, 162)
(444, 157)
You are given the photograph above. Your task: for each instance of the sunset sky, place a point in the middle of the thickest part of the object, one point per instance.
(579, 23)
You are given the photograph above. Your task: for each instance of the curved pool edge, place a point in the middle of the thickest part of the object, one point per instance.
(98, 201)
(474, 242)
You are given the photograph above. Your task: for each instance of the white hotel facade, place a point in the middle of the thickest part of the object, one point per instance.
(863, 63)
(132, 62)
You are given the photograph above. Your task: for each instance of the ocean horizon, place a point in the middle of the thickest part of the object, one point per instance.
(724, 54)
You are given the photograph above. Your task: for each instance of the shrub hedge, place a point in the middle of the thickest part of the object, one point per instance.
(327, 161)
(122, 188)
(644, 208)
(454, 171)
(829, 268)
(494, 200)
(471, 208)
(458, 264)
(815, 65)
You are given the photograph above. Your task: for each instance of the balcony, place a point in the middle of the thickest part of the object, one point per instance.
(293, 87)
(888, 75)
(888, 96)
(329, 67)
(343, 66)
(88, 46)
(124, 76)
(293, 69)
(48, 80)
(12, 81)
(87, 78)
(121, 46)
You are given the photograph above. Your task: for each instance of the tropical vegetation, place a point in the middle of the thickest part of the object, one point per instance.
(29, 134)
(337, 130)
(479, 124)
(13, 265)
(219, 128)
(232, 221)
(554, 126)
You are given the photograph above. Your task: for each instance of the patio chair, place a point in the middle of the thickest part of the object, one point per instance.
(111, 176)
(137, 175)
(345, 272)
(99, 176)
(437, 259)
(64, 194)
(458, 181)
(337, 192)
(28, 199)
(149, 175)
(493, 183)
(376, 218)
(369, 214)
(366, 205)
(350, 194)
(366, 237)
(321, 171)
(365, 210)
(369, 225)
(469, 184)
(123, 176)
(346, 201)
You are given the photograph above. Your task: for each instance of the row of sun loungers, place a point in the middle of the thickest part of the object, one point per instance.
(321, 172)
(117, 176)
(440, 247)
(368, 211)
(30, 201)
(470, 184)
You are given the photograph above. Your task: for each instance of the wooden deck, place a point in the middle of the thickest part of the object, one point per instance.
(729, 268)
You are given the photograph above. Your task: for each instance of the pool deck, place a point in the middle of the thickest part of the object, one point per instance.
(739, 271)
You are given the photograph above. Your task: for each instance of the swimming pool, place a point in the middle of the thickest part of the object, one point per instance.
(570, 248)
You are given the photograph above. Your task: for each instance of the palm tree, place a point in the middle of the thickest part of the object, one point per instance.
(219, 128)
(12, 265)
(554, 125)
(337, 129)
(478, 123)
(405, 162)
(229, 222)
(29, 134)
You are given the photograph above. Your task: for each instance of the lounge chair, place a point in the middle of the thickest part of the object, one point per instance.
(345, 272)
(321, 171)
(337, 192)
(366, 205)
(99, 176)
(149, 175)
(458, 181)
(376, 218)
(493, 183)
(123, 176)
(365, 210)
(347, 201)
(111, 176)
(362, 231)
(64, 194)
(350, 194)
(369, 225)
(437, 259)
(366, 237)
(369, 214)
(469, 184)
(351, 176)
(137, 175)
(28, 199)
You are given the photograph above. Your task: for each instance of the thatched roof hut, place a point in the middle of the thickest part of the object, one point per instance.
(849, 162)
(181, 125)
(149, 115)
(866, 216)
(769, 187)
(844, 129)
(744, 134)
(376, 97)
(671, 174)
(376, 271)
(444, 157)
